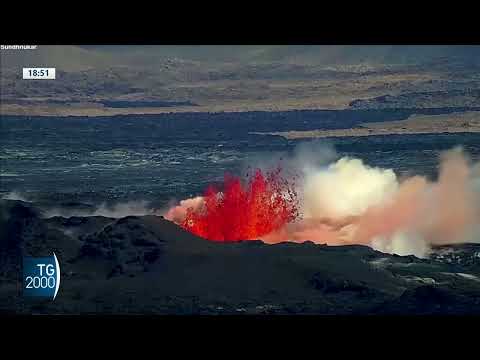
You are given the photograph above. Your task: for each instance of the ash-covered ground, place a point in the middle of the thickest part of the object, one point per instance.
(148, 265)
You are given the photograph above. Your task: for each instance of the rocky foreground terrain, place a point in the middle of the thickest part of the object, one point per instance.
(148, 265)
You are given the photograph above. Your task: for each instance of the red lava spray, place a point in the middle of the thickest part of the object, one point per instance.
(244, 210)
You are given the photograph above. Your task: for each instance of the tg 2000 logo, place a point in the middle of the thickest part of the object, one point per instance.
(41, 276)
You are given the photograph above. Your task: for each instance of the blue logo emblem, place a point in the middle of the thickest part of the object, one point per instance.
(41, 276)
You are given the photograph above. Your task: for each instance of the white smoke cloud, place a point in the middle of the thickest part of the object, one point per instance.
(129, 208)
(349, 202)
(346, 188)
(118, 210)
(402, 243)
(178, 213)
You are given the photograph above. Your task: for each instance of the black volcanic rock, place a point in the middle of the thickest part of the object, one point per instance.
(131, 243)
(467, 255)
(147, 264)
(332, 285)
(24, 233)
(433, 300)
(15, 218)
(79, 226)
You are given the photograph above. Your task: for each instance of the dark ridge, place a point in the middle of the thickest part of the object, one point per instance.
(148, 264)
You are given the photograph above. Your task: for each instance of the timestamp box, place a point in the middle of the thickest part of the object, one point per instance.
(39, 73)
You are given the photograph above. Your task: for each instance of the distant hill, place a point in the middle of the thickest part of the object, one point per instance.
(240, 77)
(64, 58)
(301, 54)
(370, 54)
(79, 58)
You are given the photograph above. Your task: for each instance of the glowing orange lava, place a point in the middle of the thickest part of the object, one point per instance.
(244, 211)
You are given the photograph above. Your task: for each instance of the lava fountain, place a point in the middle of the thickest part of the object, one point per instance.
(244, 210)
